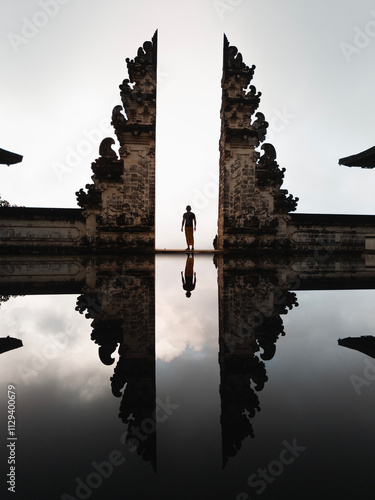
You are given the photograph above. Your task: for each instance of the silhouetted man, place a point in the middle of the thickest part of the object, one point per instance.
(190, 226)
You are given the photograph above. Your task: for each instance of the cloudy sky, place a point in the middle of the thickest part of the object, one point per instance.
(62, 62)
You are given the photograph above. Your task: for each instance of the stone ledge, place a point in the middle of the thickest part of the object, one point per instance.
(332, 219)
(66, 214)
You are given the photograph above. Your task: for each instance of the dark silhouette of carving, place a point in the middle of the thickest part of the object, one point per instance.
(252, 96)
(121, 302)
(260, 126)
(92, 198)
(136, 377)
(105, 148)
(268, 172)
(251, 302)
(233, 61)
(118, 119)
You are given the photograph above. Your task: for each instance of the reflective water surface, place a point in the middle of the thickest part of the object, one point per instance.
(188, 377)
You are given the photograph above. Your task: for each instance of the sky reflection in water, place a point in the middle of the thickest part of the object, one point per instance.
(313, 433)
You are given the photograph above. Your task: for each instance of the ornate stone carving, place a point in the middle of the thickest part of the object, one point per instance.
(233, 62)
(138, 93)
(260, 126)
(105, 168)
(285, 202)
(90, 199)
(105, 149)
(268, 172)
(118, 119)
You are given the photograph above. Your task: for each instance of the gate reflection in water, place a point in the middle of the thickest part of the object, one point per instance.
(182, 377)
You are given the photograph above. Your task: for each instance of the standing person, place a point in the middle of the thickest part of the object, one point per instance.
(188, 219)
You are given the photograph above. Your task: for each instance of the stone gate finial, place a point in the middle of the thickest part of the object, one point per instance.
(138, 93)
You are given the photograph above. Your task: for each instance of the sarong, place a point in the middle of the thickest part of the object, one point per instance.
(189, 233)
(189, 268)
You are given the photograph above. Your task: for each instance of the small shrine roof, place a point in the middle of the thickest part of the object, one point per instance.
(8, 158)
(365, 159)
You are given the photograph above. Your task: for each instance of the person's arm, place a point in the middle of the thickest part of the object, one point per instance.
(182, 225)
(195, 224)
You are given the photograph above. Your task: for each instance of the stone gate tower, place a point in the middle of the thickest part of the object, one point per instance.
(119, 207)
(253, 210)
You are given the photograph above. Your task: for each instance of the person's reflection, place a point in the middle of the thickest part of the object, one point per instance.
(190, 279)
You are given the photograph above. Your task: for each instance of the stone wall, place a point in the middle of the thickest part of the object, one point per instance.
(41, 229)
(328, 233)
